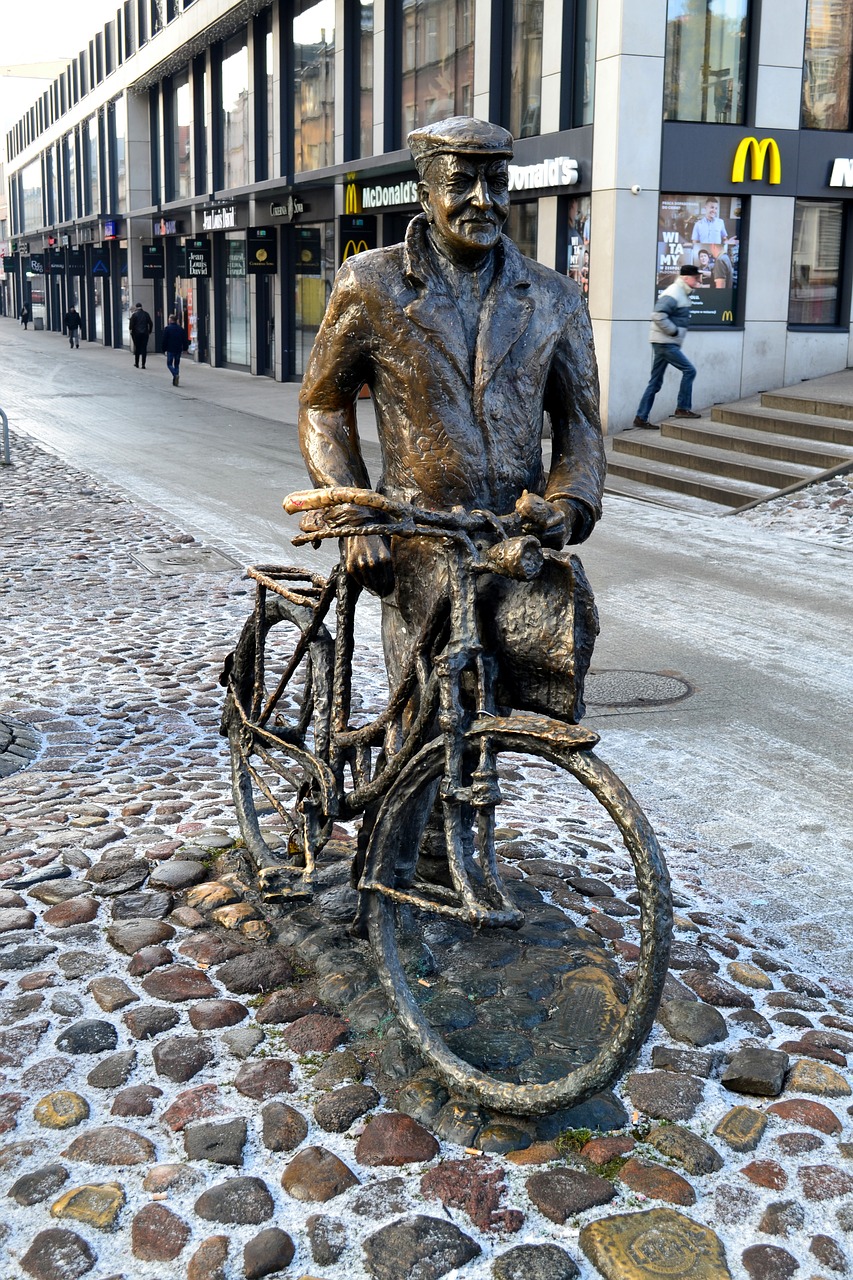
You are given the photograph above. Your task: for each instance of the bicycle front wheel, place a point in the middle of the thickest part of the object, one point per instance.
(531, 1020)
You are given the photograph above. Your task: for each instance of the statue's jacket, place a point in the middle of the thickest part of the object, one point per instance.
(455, 429)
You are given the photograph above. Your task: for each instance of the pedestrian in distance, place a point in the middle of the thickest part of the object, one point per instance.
(140, 325)
(670, 320)
(72, 323)
(25, 315)
(175, 343)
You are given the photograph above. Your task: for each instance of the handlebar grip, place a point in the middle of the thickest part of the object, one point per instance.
(318, 499)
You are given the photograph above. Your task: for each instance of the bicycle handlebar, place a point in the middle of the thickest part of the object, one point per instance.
(454, 521)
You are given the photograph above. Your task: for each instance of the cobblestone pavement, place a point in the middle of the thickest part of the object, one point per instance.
(822, 511)
(194, 1084)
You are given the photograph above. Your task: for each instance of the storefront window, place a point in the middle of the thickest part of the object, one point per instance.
(182, 120)
(438, 60)
(119, 152)
(525, 94)
(315, 271)
(235, 113)
(827, 65)
(314, 87)
(70, 178)
(268, 60)
(90, 153)
(703, 231)
(52, 190)
(522, 226)
(577, 249)
(816, 262)
(32, 202)
(236, 302)
(587, 20)
(366, 78)
(705, 66)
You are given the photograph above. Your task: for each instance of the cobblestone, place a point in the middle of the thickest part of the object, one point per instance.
(109, 984)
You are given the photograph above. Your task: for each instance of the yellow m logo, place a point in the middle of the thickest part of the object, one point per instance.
(757, 152)
(728, 318)
(352, 203)
(352, 248)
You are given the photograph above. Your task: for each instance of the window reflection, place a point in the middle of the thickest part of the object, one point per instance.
(816, 262)
(525, 95)
(705, 60)
(438, 60)
(314, 86)
(31, 186)
(235, 113)
(827, 65)
(366, 78)
(268, 59)
(522, 226)
(181, 138)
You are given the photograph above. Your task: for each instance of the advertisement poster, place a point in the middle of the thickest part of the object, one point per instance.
(578, 238)
(703, 230)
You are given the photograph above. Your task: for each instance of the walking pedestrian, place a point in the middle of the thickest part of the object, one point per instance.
(670, 320)
(175, 343)
(140, 325)
(72, 322)
(25, 315)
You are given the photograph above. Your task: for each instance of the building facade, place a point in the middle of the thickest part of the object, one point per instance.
(221, 159)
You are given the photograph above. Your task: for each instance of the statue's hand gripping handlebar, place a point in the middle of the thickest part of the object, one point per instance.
(513, 553)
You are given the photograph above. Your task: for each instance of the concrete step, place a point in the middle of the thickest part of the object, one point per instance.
(639, 491)
(720, 490)
(779, 421)
(813, 406)
(722, 463)
(762, 444)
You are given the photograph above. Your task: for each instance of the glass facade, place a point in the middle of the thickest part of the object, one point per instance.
(237, 349)
(816, 262)
(586, 22)
(236, 115)
(90, 161)
(705, 70)
(827, 64)
(314, 87)
(31, 197)
(522, 226)
(182, 132)
(118, 147)
(70, 159)
(270, 100)
(365, 78)
(525, 92)
(437, 61)
(577, 238)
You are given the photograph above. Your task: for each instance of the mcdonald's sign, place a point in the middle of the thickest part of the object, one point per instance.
(728, 317)
(758, 153)
(358, 233)
(352, 199)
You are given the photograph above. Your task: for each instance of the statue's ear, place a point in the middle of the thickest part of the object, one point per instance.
(424, 199)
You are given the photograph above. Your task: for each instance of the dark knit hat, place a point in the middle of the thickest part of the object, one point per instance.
(688, 270)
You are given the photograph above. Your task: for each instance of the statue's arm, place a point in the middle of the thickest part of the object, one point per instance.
(576, 479)
(337, 368)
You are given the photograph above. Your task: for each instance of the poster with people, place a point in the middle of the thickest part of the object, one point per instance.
(703, 230)
(578, 242)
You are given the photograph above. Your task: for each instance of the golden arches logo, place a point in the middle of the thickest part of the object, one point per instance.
(728, 317)
(758, 153)
(352, 199)
(353, 247)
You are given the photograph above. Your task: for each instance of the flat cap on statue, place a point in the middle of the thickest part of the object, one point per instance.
(459, 135)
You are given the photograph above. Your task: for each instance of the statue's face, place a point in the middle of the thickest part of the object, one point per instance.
(466, 199)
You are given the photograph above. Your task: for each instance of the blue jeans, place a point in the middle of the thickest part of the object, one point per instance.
(664, 353)
(173, 362)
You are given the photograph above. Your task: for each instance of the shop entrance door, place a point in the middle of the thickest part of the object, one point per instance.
(266, 325)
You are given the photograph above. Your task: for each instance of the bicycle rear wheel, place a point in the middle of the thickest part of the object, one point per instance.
(530, 1021)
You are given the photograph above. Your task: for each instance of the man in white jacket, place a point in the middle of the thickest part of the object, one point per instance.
(670, 320)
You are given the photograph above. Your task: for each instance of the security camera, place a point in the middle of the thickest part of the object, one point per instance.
(636, 189)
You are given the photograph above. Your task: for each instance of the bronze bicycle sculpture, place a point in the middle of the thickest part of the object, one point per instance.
(487, 625)
(296, 751)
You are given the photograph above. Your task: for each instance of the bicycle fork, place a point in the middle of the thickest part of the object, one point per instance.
(478, 792)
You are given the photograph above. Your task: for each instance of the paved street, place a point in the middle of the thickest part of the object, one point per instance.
(754, 765)
(196, 1085)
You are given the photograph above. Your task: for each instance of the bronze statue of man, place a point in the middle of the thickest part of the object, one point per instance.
(464, 345)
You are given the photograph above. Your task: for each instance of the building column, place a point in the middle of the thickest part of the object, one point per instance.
(625, 192)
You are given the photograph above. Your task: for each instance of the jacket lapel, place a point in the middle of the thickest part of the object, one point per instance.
(432, 309)
(506, 313)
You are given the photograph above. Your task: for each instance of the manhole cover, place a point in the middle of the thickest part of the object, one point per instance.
(19, 745)
(633, 689)
(186, 559)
